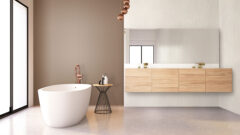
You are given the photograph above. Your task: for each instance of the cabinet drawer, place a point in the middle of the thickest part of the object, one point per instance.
(219, 80)
(138, 72)
(138, 80)
(164, 80)
(192, 80)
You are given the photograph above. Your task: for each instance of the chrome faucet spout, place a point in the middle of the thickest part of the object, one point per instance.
(78, 74)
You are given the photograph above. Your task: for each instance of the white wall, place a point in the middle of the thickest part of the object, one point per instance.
(170, 99)
(230, 49)
(172, 14)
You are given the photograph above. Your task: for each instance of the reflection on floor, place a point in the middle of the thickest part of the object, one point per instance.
(130, 121)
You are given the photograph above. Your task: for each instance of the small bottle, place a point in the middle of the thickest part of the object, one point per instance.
(102, 81)
(105, 79)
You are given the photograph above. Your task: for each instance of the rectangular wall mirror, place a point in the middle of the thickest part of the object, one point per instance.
(172, 46)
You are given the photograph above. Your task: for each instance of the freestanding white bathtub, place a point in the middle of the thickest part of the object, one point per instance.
(65, 104)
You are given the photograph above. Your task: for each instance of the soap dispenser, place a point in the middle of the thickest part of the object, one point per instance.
(105, 79)
(102, 80)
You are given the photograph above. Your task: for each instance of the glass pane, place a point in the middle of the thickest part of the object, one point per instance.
(19, 55)
(135, 54)
(5, 56)
(147, 54)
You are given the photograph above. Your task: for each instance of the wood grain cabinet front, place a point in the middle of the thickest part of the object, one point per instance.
(218, 80)
(191, 80)
(164, 80)
(178, 80)
(138, 80)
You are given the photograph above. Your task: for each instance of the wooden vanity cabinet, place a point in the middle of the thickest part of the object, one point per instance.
(218, 80)
(164, 80)
(192, 80)
(178, 80)
(138, 80)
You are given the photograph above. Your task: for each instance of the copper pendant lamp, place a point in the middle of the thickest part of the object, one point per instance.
(125, 1)
(124, 10)
(127, 6)
(120, 17)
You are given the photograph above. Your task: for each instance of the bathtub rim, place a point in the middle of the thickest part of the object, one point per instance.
(65, 90)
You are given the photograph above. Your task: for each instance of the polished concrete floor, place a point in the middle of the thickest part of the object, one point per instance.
(130, 121)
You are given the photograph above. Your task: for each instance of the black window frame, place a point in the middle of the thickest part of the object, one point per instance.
(11, 111)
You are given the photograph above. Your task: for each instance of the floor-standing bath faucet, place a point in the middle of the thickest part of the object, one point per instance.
(78, 75)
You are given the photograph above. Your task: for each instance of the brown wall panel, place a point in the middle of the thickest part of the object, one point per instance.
(85, 32)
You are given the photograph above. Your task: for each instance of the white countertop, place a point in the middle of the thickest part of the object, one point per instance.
(171, 65)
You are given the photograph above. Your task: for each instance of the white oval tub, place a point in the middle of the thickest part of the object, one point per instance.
(65, 104)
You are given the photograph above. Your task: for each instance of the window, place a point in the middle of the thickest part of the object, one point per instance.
(20, 24)
(135, 55)
(5, 56)
(141, 54)
(13, 57)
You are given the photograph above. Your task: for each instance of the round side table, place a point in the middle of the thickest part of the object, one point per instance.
(103, 104)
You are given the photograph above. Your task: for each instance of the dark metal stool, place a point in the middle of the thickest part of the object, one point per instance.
(103, 104)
